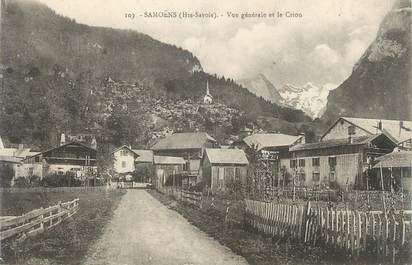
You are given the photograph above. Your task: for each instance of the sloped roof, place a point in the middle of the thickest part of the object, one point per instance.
(26, 152)
(264, 140)
(7, 151)
(168, 160)
(124, 147)
(226, 156)
(10, 159)
(18, 153)
(194, 140)
(392, 127)
(67, 144)
(145, 156)
(395, 159)
(336, 142)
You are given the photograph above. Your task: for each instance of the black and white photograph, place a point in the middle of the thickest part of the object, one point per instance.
(205, 132)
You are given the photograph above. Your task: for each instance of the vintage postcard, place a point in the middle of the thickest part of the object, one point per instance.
(194, 132)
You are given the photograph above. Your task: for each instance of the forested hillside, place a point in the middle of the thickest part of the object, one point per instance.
(52, 68)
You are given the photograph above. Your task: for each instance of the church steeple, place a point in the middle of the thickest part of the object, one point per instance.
(207, 88)
(208, 99)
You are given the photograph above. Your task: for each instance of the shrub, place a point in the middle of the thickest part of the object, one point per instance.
(6, 175)
(21, 182)
(35, 181)
(234, 186)
(61, 180)
(198, 187)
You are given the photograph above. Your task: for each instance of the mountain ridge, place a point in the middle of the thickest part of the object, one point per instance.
(52, 68)
(380, 84)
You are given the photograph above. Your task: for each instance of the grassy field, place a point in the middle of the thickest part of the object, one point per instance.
(68, 242)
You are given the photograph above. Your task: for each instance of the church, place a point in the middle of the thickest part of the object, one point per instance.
(207, 99)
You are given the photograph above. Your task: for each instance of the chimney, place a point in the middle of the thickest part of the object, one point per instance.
(1, 143)
(62, 139)
(351, 132)
(21, 146)
(302, 138)
(380, 125)
(94, 143)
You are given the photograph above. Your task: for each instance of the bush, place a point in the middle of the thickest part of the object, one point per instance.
(198, 187)
(21, 182)
(61, 180)
(6, 175)
(234, 186)
(143, 173)
(35, 181)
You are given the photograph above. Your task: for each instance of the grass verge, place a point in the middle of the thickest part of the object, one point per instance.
(68, 242)
(256, 247)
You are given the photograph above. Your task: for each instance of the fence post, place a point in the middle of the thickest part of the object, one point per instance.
(41, 218)
(393, 243)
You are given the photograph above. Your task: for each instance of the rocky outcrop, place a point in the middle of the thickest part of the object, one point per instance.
(380, 85)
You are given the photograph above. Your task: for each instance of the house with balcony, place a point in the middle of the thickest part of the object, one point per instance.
(346, 153)
(399, 131)
(73, 157)
(271, 148)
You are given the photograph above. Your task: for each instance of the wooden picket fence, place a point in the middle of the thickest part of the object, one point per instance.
(383, 234)
(328, 195)
(36, 221)
(276, 219)
(194, 198)
(358, 232)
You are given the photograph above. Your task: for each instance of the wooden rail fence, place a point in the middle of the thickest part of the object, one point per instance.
(36, 221)
(194, 198)
(59, 189)
(384, 235)
(176, 193)
(190, 197)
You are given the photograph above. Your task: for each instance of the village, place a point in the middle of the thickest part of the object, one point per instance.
(358, 166)
(214, 134)
(353, 154)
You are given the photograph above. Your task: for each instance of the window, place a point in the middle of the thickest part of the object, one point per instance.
(237, 174)
(186, 166)
(315, 176)
(332, 177)
(315, 161)
(292, 163)
(302, 162)
(229, 173)
(406, 173)
(123, 164)
(332, 161)
(351, 130)
(123, 152)
(302, 177)
(221, 178)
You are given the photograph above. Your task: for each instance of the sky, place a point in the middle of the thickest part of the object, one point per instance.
(320, 47)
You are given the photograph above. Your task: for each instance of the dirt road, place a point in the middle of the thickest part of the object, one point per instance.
(144, 231)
